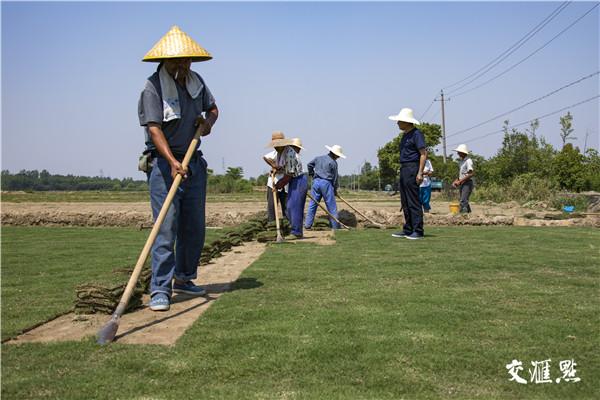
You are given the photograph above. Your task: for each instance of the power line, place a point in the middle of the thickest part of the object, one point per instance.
(422, 115)
(512, 48)
(525, 105)
(529, 121)
(529, 56)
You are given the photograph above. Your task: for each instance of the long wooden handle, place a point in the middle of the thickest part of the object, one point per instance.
(275, 201)
(358, 212)
(328, 213)
(157, 224)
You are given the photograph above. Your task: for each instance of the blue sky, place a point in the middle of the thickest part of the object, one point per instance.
(329, 73)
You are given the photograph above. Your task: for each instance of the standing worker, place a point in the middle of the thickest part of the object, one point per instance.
(324, 170)
(298, 183)
(170, 109)
(273, 159)
(425, 187)
(465, 174)
(413, 153)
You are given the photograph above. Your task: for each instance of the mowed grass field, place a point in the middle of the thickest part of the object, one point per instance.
(372, 317)
(89, 196)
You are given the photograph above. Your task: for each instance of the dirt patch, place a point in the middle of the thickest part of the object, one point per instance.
(233, 213)
(165, 328)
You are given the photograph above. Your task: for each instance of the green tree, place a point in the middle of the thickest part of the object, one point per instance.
(566, 128)
(569, 168)
(235, 173)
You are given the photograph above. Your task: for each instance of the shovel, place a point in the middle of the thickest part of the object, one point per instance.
(327, 212)
(359, 213)
(107, 333)
(275, 201)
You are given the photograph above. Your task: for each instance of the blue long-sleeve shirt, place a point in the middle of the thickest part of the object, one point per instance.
(324, 167)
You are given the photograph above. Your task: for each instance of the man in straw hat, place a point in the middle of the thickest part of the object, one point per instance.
(298, 183)
(465, 175)
(273, 159)
(413, 153)
(324, 170)
(169, 109)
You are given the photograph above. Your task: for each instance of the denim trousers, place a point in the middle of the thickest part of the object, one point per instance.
(178, 245)
(425, 196)
(322, 188)
(409, 197)
(296, 200)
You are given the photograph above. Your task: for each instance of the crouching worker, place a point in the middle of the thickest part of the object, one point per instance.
(168, 109)
(324, 170)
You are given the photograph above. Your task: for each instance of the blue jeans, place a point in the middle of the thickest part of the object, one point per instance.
(296, 199)
(178, 245)
(425, 196)
(322, 188)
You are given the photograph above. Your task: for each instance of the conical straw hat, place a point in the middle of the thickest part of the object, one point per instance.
(176, 44)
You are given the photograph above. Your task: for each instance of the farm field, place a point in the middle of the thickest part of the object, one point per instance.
(369, 317)
(132, 209)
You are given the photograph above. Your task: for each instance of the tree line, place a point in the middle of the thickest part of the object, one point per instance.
(525, 165)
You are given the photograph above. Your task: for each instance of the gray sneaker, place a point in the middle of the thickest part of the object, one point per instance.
(188, 288)
(399, 234)
(414, 236)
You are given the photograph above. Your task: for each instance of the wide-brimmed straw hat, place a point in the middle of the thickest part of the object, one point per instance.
(336, 149)
(276, 135)
(296, 142)
(406, 115)
(176, 44)
(462, 148)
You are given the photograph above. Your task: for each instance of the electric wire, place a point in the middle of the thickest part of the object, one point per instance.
(512, 48)
(526, 58)
(524, 105)
(424, 113)
(527, 122)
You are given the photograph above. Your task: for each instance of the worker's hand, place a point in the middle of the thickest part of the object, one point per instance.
(177, 169)
(204, 125)
(419, 178)
(456, 183)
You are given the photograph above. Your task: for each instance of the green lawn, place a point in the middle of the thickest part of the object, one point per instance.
(142, 196)
(372, 317)
(42, 266)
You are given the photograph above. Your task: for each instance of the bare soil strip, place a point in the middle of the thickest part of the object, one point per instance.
(165, 328)
(233, 213)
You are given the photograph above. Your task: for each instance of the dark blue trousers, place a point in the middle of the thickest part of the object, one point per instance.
(409, 196)
(296, 200)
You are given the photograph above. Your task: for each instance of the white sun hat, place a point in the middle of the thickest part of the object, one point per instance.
(462, 148)
(336, 149)
(406, 115)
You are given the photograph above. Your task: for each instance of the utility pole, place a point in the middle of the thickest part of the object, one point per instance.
(587, 132)
(443, 126)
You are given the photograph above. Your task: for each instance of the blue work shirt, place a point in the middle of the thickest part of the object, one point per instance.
(410, 144)
(324, 167)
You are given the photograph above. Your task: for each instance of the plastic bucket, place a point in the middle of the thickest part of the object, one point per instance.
(454, 208)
